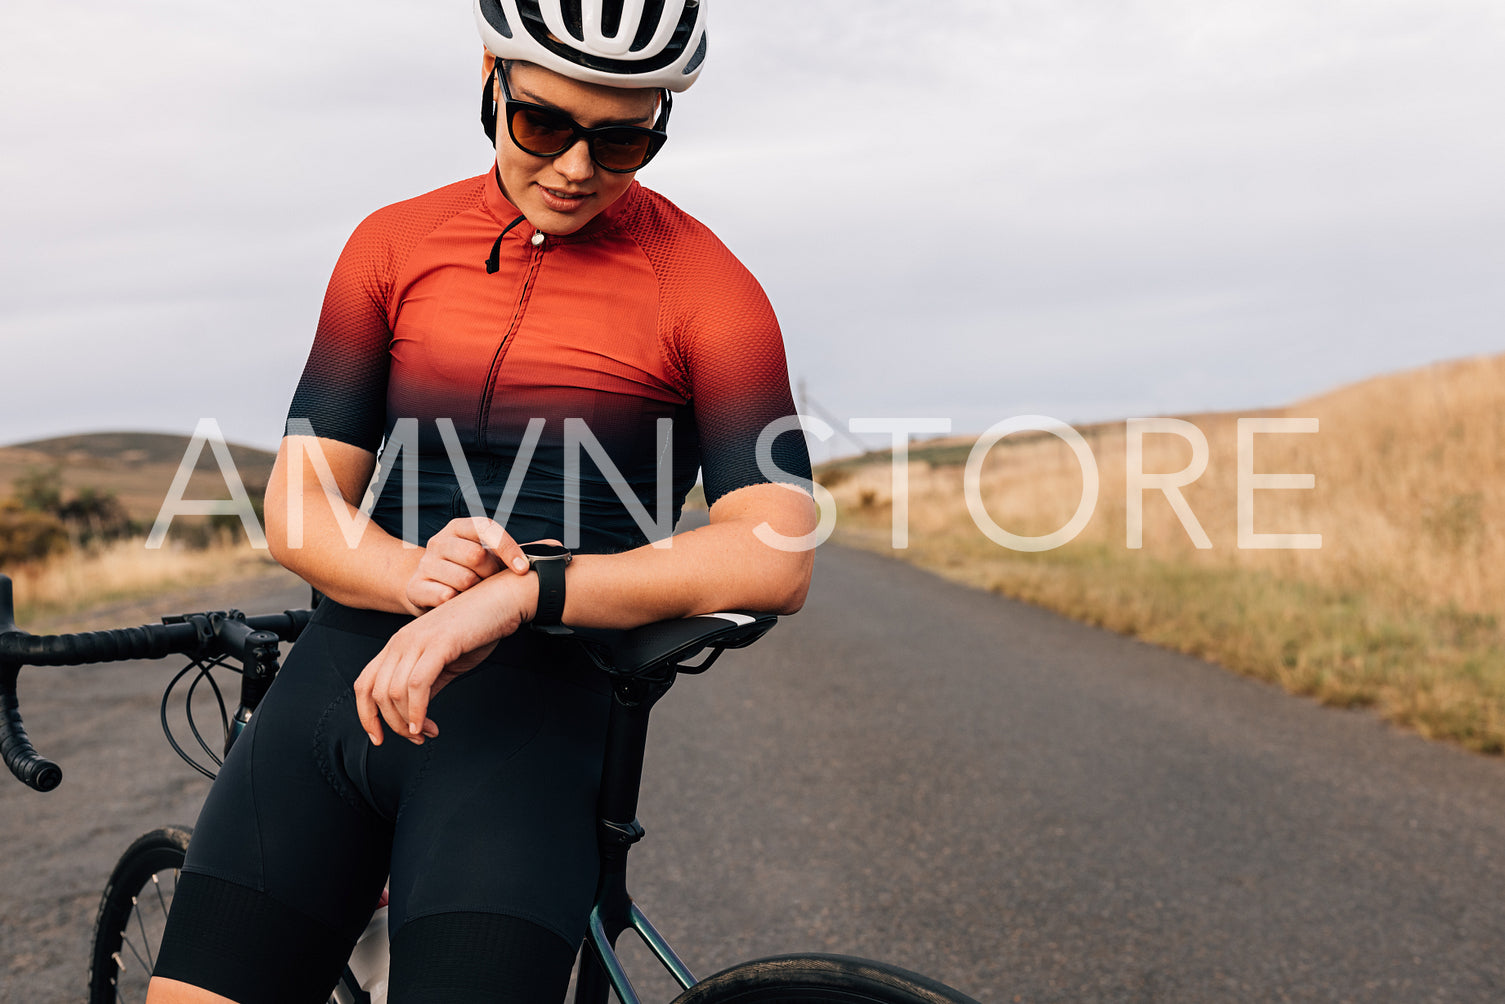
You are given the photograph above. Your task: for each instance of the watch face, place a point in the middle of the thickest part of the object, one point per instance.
(545, 551)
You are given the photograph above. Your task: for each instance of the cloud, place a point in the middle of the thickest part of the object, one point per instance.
(1087, 207)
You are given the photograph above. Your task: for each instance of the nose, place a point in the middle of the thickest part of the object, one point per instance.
(575, 163)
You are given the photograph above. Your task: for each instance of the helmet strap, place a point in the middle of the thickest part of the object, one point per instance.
(488, 103)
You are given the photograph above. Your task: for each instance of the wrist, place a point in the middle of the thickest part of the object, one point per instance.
(407, 571)
(549, 561)
(529, 586)
(503, 604)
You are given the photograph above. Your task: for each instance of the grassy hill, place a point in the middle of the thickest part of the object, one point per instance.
(137, 467)
(1399, 609)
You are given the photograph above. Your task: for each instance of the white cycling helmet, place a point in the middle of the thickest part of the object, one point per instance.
(619, 43)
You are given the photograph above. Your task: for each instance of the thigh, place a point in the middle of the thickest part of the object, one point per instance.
(287, 858)
(288, 816)
(503, 819)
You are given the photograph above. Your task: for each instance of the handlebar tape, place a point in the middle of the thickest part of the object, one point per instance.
(17, 649)
(20, 756)
(153, 641)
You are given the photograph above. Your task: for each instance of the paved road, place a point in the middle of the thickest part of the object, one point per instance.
(1027, 808)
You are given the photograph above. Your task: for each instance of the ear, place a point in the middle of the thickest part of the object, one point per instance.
(489, 101)
(488, 64)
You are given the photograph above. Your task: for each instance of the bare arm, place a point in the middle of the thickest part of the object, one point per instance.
(352, 560)
(723, 566)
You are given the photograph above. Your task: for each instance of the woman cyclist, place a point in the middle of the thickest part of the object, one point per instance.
(546, 353)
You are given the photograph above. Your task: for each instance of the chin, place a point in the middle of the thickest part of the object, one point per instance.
(561, 225)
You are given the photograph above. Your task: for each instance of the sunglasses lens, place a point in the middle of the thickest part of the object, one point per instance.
(622, 149)
(540, 132)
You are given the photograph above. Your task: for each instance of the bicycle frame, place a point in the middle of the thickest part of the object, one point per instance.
(618, 829)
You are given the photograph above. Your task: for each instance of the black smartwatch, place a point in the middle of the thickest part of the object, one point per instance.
(549, 561)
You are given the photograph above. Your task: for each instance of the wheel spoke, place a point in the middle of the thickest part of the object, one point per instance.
(162, 902)
(146, 940)
(127, 943)
(153, 862)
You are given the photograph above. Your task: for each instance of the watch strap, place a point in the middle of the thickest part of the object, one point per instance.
(550, 591)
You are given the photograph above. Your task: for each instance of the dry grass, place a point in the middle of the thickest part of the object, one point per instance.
(50, 593)
(1398, 609)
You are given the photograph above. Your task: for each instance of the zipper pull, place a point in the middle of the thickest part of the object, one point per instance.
(494, 263)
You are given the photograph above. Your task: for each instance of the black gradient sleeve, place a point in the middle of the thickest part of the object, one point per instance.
(343, 391)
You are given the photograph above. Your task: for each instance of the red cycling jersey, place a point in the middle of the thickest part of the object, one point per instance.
(453, 306)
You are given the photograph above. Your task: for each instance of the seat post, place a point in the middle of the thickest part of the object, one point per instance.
(617, 827)
(626, 743)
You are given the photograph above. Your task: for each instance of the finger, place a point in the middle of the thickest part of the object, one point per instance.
(391, 715)
(485, 534)
(476, 529)
(464, 551)
(475, 558)
(427, 594)
(420, 686)
(390, 692)
(365, 703)
(409, 691)
(463, 528)
(504, 547)
(458, 572)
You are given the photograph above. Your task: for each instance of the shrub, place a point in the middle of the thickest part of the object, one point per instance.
(29, 535)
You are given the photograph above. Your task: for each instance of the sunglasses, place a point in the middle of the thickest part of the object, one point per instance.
(548, 132)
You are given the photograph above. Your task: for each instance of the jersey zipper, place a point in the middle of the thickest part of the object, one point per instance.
(535, 258)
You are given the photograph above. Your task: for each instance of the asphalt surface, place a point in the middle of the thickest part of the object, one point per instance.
(1023, 807)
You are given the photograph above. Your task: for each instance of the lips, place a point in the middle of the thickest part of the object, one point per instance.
(562, 201)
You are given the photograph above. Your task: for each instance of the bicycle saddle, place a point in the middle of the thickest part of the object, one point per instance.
(668, 645)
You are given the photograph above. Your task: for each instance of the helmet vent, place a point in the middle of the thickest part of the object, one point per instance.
(699, 57)
(611, 18)
(574, 19)
(653, 13)
(496, 17)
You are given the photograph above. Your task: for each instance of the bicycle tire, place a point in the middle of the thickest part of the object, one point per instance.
(133, 914)
(819, 979)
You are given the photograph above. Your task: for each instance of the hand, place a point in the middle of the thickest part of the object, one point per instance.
(427, 654)
(458, 557)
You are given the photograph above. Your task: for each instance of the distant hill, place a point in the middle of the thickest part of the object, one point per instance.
(138, 467)
(140, 447)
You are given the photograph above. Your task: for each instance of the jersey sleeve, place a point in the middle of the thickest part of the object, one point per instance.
(731, 354)
(343, 391)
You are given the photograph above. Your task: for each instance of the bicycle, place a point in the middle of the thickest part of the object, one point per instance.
(642, 664)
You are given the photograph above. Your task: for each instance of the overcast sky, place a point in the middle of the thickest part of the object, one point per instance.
(1090, 209)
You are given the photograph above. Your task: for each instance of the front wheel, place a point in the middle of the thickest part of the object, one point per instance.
(133, 915)
(819, 979)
